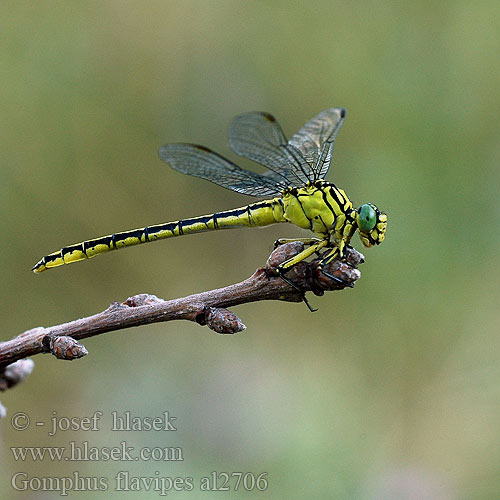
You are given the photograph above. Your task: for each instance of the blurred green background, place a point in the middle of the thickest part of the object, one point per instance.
(389, 391)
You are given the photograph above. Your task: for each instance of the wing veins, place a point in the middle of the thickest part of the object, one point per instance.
(199, 161)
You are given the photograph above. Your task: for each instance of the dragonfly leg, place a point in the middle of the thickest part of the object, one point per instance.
(306, 241)
(288, 264)
(294, 285)
(284, 267)
(334, 252)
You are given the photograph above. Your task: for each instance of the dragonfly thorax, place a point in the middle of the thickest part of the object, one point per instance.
(322, 208)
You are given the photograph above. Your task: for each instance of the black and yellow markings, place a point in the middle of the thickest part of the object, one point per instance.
(257, 214)
(294, 185)
(297, 194)
(319, 206)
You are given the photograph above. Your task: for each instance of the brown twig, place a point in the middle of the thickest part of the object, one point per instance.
(207, 308)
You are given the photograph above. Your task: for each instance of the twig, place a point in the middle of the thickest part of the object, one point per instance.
(207, 308)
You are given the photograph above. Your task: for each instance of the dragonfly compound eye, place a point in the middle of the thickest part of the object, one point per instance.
(372, 224)
(367, 218)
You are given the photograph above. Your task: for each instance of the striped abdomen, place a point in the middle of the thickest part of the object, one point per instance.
(257, 214)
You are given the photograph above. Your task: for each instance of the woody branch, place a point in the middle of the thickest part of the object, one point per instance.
(207, 308)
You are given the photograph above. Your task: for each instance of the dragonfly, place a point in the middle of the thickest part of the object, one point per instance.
(294, 186)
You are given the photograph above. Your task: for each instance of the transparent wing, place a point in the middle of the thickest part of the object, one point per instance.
(315, 139)
(200, 161)
(259, 137)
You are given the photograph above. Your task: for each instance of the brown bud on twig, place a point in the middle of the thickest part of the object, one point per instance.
(64, 347)
(221, 320)
(15, 372)
(346, 270)
(310, 276)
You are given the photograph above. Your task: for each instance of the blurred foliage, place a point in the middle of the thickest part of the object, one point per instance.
(391, 390)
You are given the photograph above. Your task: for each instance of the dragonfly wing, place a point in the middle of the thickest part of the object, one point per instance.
(259, 137)
(200, 161)
(315, 139)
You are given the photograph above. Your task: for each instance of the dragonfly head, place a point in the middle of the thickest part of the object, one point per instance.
(372, 224)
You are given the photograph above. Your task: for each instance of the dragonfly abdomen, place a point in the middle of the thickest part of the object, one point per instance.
(257, 214)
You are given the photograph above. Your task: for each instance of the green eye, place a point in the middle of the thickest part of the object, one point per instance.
(367, 217)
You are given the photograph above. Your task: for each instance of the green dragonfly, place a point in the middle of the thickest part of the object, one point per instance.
(294, 186)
